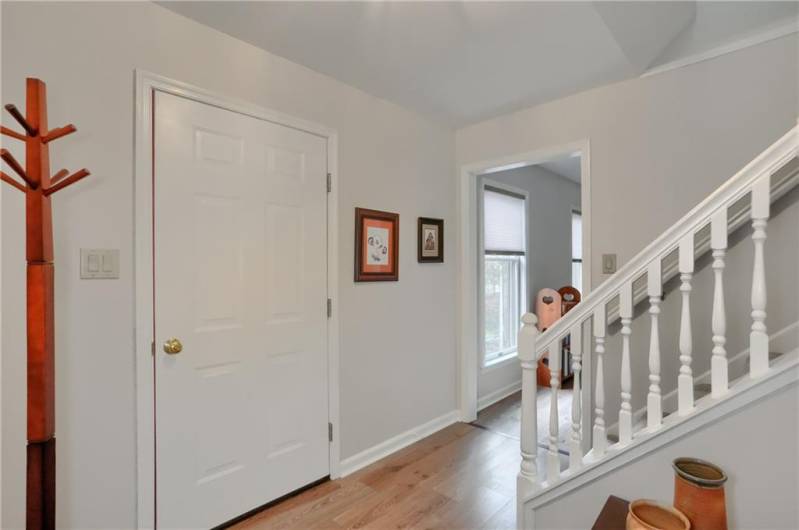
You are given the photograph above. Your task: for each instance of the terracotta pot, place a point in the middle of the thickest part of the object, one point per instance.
(649, 515)
(699, 493)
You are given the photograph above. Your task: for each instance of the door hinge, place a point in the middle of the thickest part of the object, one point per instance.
(152, 348)
(329, 182)
(329, 307)
(329, 432)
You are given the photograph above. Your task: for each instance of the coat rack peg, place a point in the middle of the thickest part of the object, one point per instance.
(14, 111)
(9, 180)
(66, 182)
(58, 133)
(58, 176)
(12, 162)
(13, 134)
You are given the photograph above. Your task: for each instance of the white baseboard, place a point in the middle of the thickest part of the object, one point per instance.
(394, 444)
(498, 395)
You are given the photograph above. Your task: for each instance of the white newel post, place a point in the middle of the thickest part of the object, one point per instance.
(576, 447)
(600, 440)
(685, 381)
(758, 338)
(626, 410)
(527, 478)
(719, 378)
(654, 400)
(553, 459)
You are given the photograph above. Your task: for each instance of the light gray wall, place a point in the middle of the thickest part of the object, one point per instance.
(551, 200)
(756, 446)
(659, 144)
(389, 159)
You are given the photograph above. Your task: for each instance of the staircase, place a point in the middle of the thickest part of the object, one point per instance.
(731, 382)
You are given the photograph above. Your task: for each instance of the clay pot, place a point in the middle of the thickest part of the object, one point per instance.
(649, 515)
(699, 493)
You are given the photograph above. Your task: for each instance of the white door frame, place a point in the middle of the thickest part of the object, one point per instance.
(469, 345)
(146, 85)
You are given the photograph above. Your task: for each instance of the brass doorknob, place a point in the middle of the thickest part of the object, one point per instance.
(172, 346)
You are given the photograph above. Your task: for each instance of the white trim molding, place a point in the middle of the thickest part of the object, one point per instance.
(146, 85)
(392, 445)
(469, 264)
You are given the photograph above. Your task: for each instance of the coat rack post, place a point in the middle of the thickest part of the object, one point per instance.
(38, 188)
(41, 343)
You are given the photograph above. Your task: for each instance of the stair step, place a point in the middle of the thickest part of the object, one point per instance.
(701, 390)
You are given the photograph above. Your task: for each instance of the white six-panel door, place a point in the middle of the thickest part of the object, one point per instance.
(240, 281)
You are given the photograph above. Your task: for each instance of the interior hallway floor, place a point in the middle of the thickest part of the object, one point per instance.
(460, 478)
(504, 417)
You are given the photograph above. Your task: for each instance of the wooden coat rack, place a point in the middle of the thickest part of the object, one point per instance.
(38, 186)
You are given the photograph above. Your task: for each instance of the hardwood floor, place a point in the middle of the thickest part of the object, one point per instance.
(504, 416)
(462, 477)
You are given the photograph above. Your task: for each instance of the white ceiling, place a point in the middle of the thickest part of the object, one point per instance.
(567, 167)
(464, 62)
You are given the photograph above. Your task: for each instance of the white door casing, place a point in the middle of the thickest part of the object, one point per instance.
(240, 275)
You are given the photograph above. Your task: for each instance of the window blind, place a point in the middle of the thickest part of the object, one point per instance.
(504, 221)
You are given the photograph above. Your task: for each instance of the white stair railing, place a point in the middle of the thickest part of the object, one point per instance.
(616, 298)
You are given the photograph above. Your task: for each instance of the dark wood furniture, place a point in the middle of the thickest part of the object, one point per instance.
(38, 186)
(550, 306)
(613, 515)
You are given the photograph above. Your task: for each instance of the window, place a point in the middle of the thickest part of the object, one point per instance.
(577, 250)
(504, 229)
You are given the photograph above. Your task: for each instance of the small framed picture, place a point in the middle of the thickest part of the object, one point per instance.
(431, 240)
(376, 246)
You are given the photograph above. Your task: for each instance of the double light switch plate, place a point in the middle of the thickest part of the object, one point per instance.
(99, 263)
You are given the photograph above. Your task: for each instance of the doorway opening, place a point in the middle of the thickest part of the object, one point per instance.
(525, 235)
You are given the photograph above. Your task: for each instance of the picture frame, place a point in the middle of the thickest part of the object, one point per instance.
(376, 246)
(430, 240)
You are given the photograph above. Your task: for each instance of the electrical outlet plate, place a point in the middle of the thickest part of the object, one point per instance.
(99, 263)
(608, 263)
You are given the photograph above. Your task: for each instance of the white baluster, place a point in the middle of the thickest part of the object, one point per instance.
(685, 381)
(600, 440)
(553, 458)
(654, 400)
(626, 411)
(758, 338)
(527, 479)
(718, 363)
(576, 446)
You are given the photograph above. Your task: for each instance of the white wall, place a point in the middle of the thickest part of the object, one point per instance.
(394, 336)
(756, 446)
(659, 144)
(551, 200)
